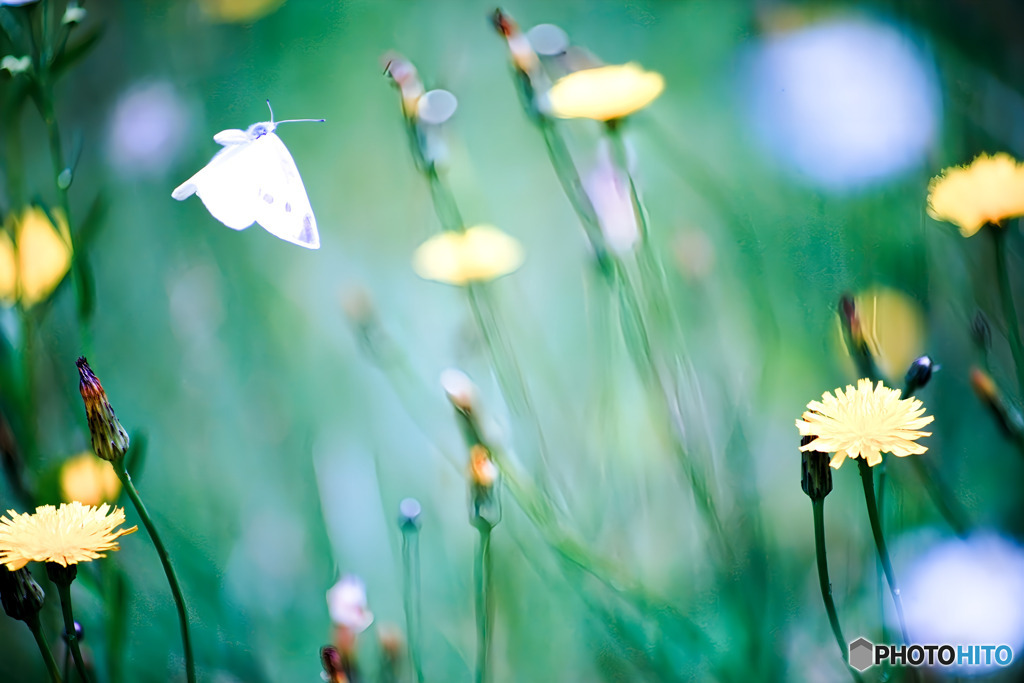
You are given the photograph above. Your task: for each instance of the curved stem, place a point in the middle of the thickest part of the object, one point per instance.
(64, 591)
(826, 586)
(484, 606)
(883, 554)
(1006, 298)
(165, 560)
(44, 649)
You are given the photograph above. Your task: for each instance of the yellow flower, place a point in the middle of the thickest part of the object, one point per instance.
(479, 254)
(89, 480)
(238, 11)
(893, 326)
(604, 93)
(41, 260)
(66, 535)
(864, 423)
(989, 190)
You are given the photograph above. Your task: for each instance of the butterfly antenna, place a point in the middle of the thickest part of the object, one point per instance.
(271, 111)
(301, 121)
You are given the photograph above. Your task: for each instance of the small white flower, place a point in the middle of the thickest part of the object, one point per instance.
(16, 65)
(459, 387)
(73, 14)
(346, 602)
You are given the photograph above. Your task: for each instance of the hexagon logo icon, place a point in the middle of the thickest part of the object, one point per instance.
(862, 654)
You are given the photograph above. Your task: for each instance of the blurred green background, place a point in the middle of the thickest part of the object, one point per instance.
(278, 451)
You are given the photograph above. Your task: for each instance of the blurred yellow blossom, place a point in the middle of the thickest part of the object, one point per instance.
(864, 423)
(89, 480)
(40, 261)
(989, 190)
(238, 11)
(605, 92)
(893, 325)
(66, 535)
(479, 254)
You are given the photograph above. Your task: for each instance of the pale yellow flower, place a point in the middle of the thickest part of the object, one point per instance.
(66, 535)
(479, 254)
(605, 92)
(864, 423)
(893, 325)
(89, 480)
(41, 260)
(989, 190)
(238, 11)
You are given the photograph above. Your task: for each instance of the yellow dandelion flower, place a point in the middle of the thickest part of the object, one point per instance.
(864, 423)
(41, 260)
(66, 535)
(479, 254)
(89, 480)
(989, 190)
(604, 93)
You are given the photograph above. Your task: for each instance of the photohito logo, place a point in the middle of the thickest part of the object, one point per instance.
(864, 654)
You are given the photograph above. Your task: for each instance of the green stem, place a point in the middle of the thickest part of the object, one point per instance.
(165, 560)
(411, 565)
(32, 621)
(818, 507)
(1006, 298)
(62, 182)
(868, 480)
(64, 591)
(484, 605)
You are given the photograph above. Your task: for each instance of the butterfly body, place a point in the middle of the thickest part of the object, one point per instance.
(253, 179)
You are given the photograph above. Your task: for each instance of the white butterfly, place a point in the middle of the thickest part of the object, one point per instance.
(254, 180)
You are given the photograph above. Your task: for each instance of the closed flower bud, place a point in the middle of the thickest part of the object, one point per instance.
(22, 597)
(109, 439)
(816, 475)
(919, 373)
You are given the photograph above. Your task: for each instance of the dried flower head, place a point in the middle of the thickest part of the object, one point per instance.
(604, 93)
(479, 254)
(109, 439)
(988, 190)
(66, 535)
(864, 423)
(33, 269)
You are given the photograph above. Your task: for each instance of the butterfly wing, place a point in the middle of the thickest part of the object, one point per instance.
(227, 185)
(281, 203)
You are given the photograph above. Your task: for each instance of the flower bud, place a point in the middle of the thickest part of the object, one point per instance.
(109, 439)
(22, 597)
(919, 373)
(981, 332)
(816, 475)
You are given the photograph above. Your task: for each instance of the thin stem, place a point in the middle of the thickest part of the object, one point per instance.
(64, 591)
(32, 621)
(1006, 298)
(484, 605)
(411, 597)
(165, 560)
(868, 480)
(818, 507)
(62, 181)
